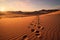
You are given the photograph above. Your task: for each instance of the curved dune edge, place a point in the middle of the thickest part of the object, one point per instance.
(53, 13)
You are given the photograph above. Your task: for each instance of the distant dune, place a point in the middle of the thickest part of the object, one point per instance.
(12, 14)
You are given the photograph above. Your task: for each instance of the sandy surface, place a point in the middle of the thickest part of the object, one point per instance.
(15, 28)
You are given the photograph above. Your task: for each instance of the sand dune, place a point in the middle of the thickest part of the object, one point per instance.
(16, 28)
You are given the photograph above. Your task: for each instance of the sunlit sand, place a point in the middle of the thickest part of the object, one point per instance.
(14, 28)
